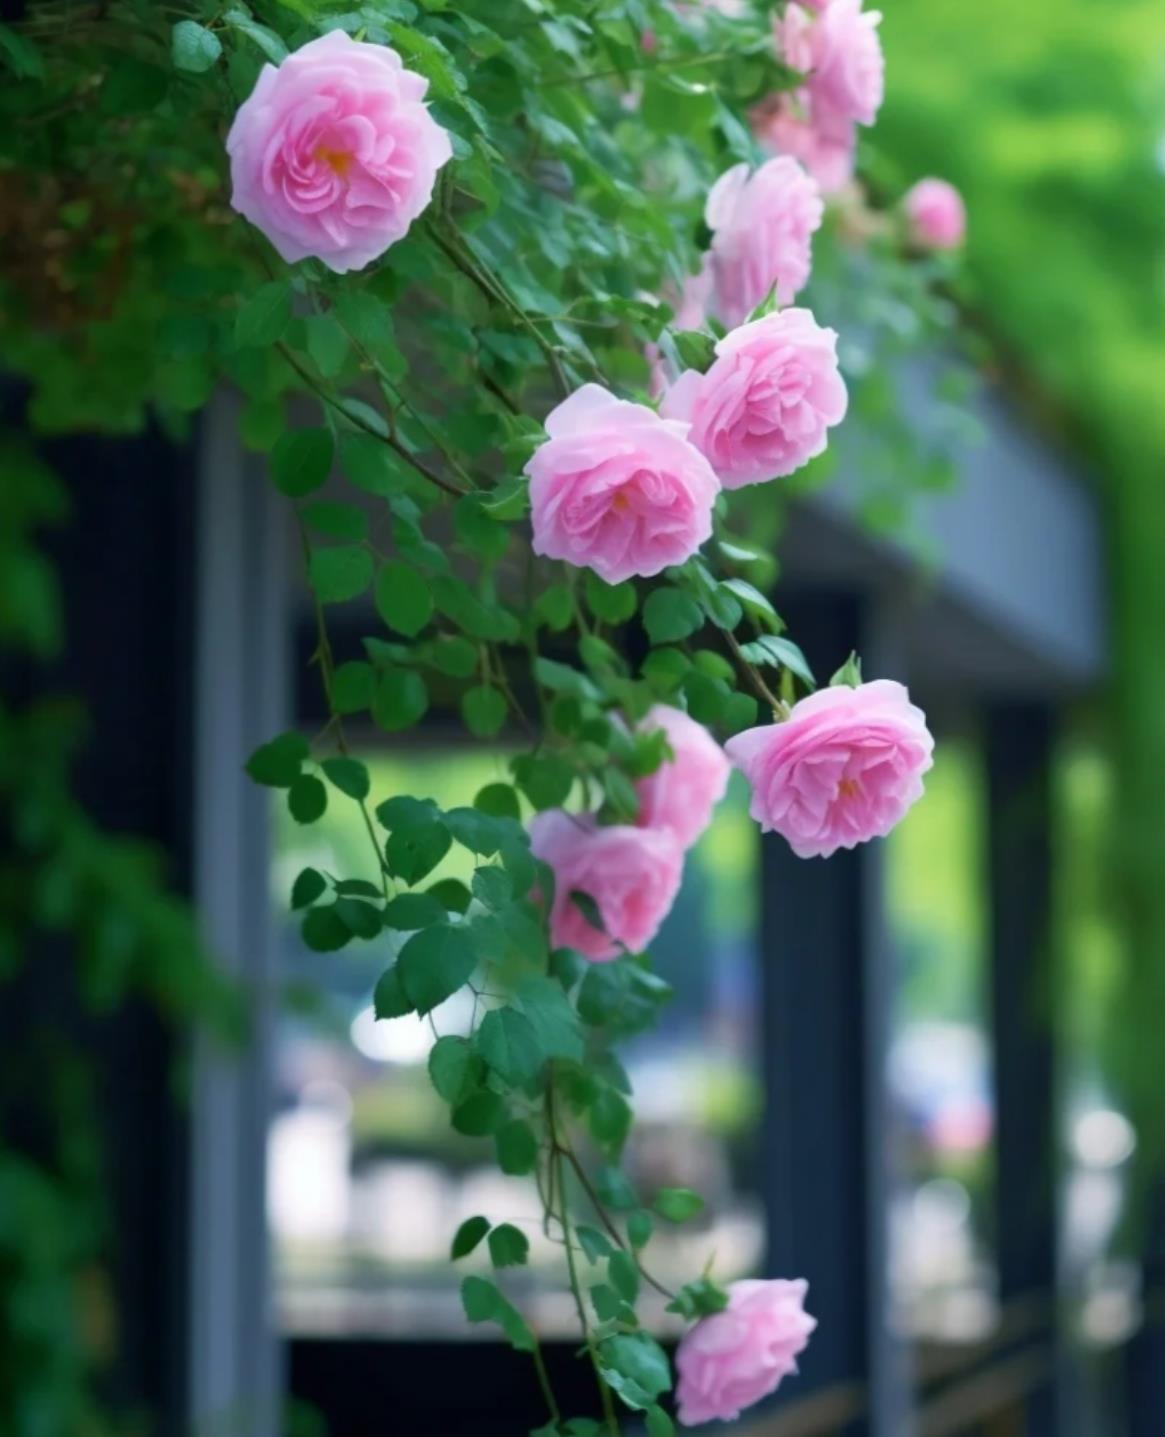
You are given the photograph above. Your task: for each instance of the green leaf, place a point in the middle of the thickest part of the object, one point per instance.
(264, 316)
(554, 1020)
(349, 775)
(850, 673)
(22, 55)
(412, 855)
(699, 1299)
(613, 603)
(636, 1367)
(389, 999)
(659, 1424)
(639, 1228)
(670, 614)
(346, 522)
(780, 652)
(467, 1237)
(453, 655)
(193, 47)
(301, 461)
(678, 1204)
(371, 465)
(508, 1246)
(492, 887)
(595, 1244)
(435, 963)
(509, 1043)
(277, 764)
(517, 1148)
(453, 1069)
(480, 1298)
(484, 710)
(267, 40)
(410, 912)
(498, 800)
(477, 530)
(545, 779)
(352, 687)
(479, 1115)
(403, 599)
(341, 573)
(751, 599)
(308, 886)
(307, 799)
(401, 700)
(362, 920)
(451, 893)
(327, 344)
(554, 607)
(624, 1275)
(323, 931)
(615, 1190)
(609, 1306)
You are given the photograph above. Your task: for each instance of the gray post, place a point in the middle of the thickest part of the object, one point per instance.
(826, 1133)
(243, 633)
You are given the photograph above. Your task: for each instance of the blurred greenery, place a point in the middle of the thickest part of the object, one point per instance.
(1050, 117)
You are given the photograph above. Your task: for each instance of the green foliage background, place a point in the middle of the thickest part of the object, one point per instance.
(1050, 117)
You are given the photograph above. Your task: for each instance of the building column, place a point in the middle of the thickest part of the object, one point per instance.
(827, 990)
(1019, 738)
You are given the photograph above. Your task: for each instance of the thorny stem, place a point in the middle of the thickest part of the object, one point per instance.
(388, 440)
(465, 260)
(779, 707)
(327, 669)
(605, 1218)
(557, 1154)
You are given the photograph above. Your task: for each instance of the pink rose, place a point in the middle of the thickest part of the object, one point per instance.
(822, 141)
(618, 489)
(935, 214)
(844, 766)
(763, 225)
(333, 154)
(764, 407)
(848, 71)
(732, 1359)
(633, 875)
(681, 794)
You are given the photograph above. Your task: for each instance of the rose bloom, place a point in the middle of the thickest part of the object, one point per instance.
(935, 215)
(763, 225)
(618, 489)
(848, 73)
(843, 767)
(764, 407)
(633, 874)
(683, 791)
(732, 1359)
(822, 141)
(333, 155)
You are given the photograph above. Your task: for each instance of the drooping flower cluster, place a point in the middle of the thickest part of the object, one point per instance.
(834, 44)
(631, 872)
(333, 156)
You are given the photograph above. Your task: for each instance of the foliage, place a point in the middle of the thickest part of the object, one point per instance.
(1049, 117)
(397, 407)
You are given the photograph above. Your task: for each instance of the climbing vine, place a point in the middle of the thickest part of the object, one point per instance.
(517, 297)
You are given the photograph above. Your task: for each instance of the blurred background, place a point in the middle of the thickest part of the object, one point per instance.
(926, 1076)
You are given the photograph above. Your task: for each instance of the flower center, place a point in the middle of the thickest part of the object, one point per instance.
(848, 788)
(338, 161)
(620, 503)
